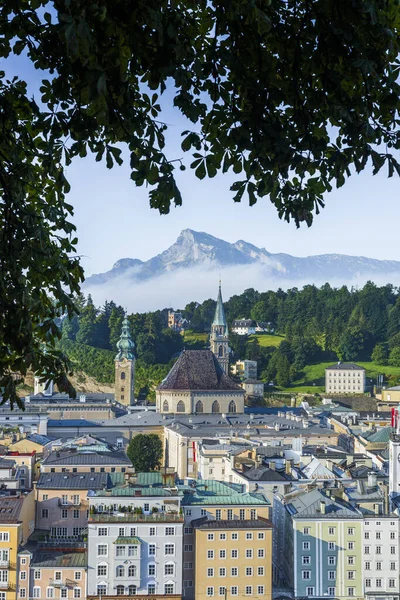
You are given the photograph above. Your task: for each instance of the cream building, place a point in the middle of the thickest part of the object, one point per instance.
(345, 378)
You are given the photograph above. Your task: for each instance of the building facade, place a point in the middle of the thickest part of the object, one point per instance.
(135, 545)
(345, 378)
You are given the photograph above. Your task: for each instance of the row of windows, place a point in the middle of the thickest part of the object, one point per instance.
(378, 535)
(131, 590)
(102, 550)
(345, 374)
(132, 570)
(378, 566)
(235, 553)
(132, 531)
(101, 508)
(331, 530)
(378, 550)
(65, 514)
(37, 574)
(50, 593)
(234, 590)
(199, 407)
(235, 536)
(310, 591)
(331, 575)
(351, 560)
(379, 583)
(228, 514)
(222, 571)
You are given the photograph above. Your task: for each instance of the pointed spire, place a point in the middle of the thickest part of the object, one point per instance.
(219, 317)
(125, 343)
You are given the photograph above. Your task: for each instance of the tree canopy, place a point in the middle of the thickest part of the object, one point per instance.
(291, 97)
(145, 451)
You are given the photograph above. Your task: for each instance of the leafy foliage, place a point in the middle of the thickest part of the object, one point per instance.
(145, 451)
(291, 97)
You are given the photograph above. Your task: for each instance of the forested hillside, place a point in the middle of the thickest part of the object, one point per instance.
(315, 325)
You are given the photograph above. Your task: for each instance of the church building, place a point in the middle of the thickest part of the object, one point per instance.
(125, 367)
(199, 381)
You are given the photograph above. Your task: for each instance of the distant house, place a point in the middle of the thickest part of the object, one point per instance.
(347, 378)
(264, 327)
(253, 387)
(245, 369)
(176, 321)
(244, 326)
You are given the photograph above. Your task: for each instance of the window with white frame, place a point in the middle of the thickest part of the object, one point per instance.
(234, 590)
(102, 549)
(210, 572)
(260, 590)
(260, 571)
(102, 570)
(234, 571)
(210, 591)
(169, 549)
(222, 572)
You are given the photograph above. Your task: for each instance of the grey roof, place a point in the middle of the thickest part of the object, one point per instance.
(265, 474)
(73, 481)
(87, 458)
(71, 423)
(198, 370)
(6, 463)
(53, 557)
(308, 505)
(37, 438)
(345, 367)
(205, 523)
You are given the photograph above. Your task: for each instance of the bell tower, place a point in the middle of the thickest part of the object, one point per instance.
(125, 367)
(219, 341)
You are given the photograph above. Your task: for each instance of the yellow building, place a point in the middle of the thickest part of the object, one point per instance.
(233, 558)
(17, 522)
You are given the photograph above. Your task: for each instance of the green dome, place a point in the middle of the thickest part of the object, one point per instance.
(125, 343)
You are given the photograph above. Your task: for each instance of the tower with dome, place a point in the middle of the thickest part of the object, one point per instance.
(125, 367)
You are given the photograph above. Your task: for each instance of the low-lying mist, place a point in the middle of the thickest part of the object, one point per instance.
(178, 288)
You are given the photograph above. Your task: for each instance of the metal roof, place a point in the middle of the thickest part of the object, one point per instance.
(206, 523)
(149, 478)
(68, 457)
(73, 481)
(60, 559)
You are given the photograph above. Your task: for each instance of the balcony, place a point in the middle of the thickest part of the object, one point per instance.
(135, 518)
(7, 585)
(4, 564)
(63, 583)
(69, 504)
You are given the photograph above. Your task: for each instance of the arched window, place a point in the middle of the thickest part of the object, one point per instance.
(132, 590)
(122, 375)
(120, 571)
(120, 590)
(215, 407)
(199, 407)
(232, 407)
(132, 571)
(180, 407)
(220, 351)
(165, 406)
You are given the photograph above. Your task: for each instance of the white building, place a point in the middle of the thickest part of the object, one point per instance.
(381, 555)
(244, 327)
(135, 543)
(345, 378)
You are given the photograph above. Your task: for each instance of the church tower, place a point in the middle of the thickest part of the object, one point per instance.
(125, 367)
(219, 335)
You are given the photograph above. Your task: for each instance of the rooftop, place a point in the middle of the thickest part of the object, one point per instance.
(345, 367)
(265, 474)
(198, 370)
(10, 508)
(161, 517)
(73, 481)
(80, 457)
(205, 523)
(54, 557)
(309, 505)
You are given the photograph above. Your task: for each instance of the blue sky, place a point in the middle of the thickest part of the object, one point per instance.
(114, 220)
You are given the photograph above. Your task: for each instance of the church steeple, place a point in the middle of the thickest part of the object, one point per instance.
(125, 367)
(219, 341)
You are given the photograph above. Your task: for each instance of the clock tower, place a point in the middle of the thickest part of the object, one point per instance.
(125, 367)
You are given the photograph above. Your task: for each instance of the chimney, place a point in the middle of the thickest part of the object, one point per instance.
(277, 427)
(376, 509)
(372, 479)
(288, 467)
(272, 465)
(322, 507)
(305, 423)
